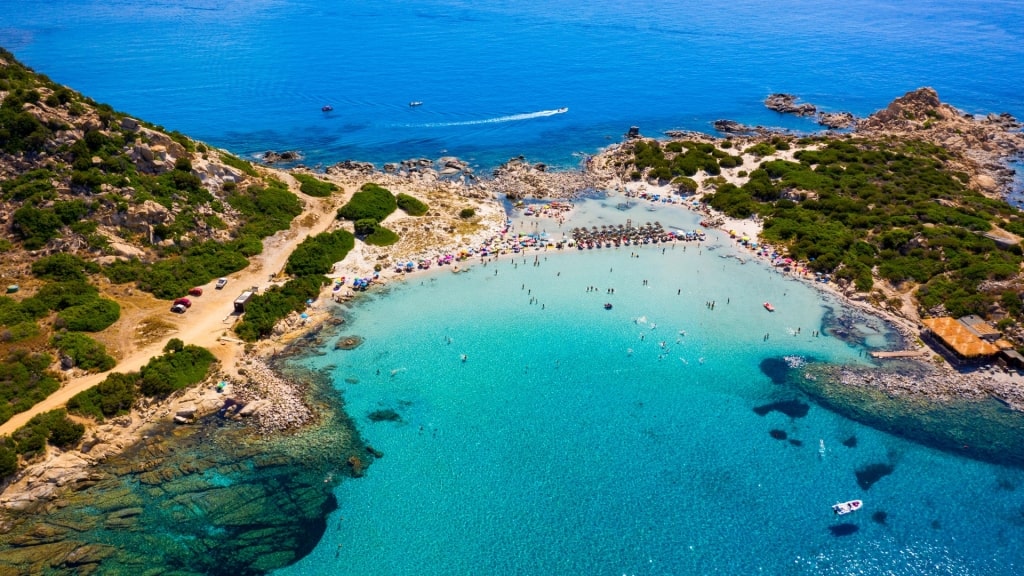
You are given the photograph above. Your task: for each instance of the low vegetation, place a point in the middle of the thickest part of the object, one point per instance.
(25, 379)
(411, 205)
(313, 186)
(83, 351)
(52, 427)
(862, 210)
(179, 367)
(371, 201)
(264, 310)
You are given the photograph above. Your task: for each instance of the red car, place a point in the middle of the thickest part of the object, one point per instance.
(197, 291)
(184, 302)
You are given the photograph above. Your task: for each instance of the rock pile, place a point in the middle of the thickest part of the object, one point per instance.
(786, 104)
(518, 179)
(271, 402)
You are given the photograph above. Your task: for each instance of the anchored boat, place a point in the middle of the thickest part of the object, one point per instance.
(846, 507)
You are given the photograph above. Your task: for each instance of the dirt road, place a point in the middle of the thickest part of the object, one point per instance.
(210, 316)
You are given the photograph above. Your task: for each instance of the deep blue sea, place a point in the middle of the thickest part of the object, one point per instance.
(574, 439)
(252, 75)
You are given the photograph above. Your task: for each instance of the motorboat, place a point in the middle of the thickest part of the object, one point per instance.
(327, 108)
(415, 103)
(846, 507)
(768, 306)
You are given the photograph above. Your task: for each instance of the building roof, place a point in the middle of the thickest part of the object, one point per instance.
(961, 340)
(977, 325)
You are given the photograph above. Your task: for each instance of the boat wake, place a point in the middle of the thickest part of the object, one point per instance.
(498, 120)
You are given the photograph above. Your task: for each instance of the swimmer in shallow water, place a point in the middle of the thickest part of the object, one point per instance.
(464, 357)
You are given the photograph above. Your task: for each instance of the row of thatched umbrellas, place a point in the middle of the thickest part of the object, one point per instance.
(617, 233)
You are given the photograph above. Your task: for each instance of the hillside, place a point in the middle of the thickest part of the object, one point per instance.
(906, 211)
(104, 215)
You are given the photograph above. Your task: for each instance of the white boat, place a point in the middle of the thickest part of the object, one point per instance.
(415, 103)
(846, 507)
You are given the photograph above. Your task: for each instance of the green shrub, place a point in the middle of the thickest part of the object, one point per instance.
(371, 201)
(92, 316)
(412, 206)
(114, 396)
(685, 185)
(61, 267)
(53, 427)
(175, 371)
(237, 163)
(267, 209)
(313, 186)
(365, 227)
(24, 381)
(35, 226)
(266, 309)
(87, 353)
(467, 213)
(316, 255)
(8, 459)
(381, 236)
(34, 185)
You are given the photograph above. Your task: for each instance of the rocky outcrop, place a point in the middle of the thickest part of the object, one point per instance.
(214, 175)
(787, 104)
(155, 152)
(347, 166)
(272, 157)
(980, 145)
(138, 217)
(837, 120)
(518, 179)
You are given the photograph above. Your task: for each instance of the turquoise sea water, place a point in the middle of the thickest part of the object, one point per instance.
(566, 443)
(252, 75)
(579, 440)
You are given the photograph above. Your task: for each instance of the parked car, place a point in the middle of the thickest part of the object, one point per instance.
(184, 302)
(197, 291)
(222, 283)
(179, 308)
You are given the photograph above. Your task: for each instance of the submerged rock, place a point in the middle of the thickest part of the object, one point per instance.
(872, 473)
(209, 499)
(792, 408)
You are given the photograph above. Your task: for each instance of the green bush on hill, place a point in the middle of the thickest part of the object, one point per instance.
(267, 209)
(87, 353)
(381, 236)
(63, 267)
(175, 371)
(313, 186)
(8, 458)
(114, 396)
(24, 381)
(316, 255)
(53, 427)
(264, 310)
(237, 163)
(853, 206)
(411, 205)
(371, 201)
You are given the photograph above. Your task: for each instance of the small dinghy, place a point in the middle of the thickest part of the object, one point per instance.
(846, 507)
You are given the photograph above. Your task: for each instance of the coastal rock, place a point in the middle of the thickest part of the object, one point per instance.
(272, 157)
(786, 104)
(348, 343)
(351, 166)
(837, 120)
(733, 127)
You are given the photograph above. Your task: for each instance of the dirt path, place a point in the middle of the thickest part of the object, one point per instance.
(210, 316)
